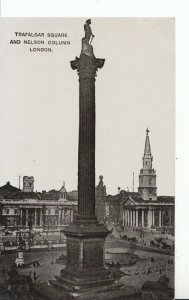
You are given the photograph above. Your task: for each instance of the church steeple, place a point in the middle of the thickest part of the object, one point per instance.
(147, 178)
(147, 158)
(147, 150)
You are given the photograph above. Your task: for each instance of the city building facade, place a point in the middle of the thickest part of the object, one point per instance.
(144, 208)
(32, 210)
(57, 208)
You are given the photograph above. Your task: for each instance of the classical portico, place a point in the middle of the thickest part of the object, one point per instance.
(30, 216)
(138, 213)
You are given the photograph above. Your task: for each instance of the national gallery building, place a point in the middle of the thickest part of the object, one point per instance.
(28, 209)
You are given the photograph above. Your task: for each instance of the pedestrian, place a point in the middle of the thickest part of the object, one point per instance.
(3, 272)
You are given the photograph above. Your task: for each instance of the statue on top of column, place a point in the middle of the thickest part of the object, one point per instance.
(87, 40)
(88, 31)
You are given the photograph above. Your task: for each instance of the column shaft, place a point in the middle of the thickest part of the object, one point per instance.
(142, 218)
(149, 218)
(86, 159)
(134, 218)
(35, 220)
(26, 217)
(59, 216)
(131, 217)
(153, 219)
(137, 218)
(86, 66)
(160, 218)
(125, 217)
(21, 217)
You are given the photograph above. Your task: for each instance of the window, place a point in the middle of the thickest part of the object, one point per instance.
(7, 211)
(150, 181)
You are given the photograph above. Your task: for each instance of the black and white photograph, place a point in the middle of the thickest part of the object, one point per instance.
(87, 158)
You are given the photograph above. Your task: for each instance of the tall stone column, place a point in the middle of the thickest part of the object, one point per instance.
(85, 269)
(85, 275)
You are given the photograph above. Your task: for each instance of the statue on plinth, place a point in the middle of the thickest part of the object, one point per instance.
(88, 31)
(87, 40)
(20, 252)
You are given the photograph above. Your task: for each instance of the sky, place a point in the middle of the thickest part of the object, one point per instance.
(135, 89)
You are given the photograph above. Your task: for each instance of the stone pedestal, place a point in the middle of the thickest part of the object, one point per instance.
(85, 274)
(20, 258)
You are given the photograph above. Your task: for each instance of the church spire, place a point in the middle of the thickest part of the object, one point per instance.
(147, 150)
(147, 158)
(147, 177)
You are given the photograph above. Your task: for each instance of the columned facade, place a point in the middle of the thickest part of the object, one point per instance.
(145, 209)
(31, 214)
(148, 216)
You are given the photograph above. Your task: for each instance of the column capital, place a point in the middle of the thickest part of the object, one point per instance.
(87, 66)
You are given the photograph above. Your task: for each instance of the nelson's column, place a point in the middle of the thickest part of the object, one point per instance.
(85, 275)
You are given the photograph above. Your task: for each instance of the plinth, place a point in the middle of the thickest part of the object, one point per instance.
(20, 258)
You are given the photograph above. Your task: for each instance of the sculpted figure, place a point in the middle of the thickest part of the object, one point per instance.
(88, 31)
(87, 48)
